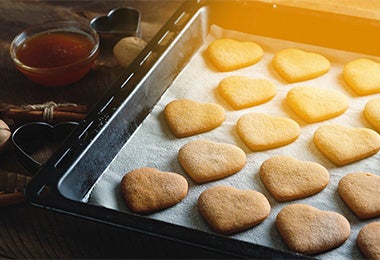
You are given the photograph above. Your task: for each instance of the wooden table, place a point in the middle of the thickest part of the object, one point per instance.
(30, 232)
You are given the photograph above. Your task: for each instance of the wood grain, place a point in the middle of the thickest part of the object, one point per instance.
(30, 232)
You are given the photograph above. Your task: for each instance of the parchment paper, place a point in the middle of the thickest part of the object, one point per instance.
(154, 145)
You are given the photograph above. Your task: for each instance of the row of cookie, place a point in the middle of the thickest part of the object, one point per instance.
(311, 104)
(228, 210)
(262, 131)
(304, 229)
(294, 65)
(285, 177)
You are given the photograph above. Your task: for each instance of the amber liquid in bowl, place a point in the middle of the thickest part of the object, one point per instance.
(49, 53)
(55, 49)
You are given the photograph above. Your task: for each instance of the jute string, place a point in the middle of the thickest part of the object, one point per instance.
(48, 108)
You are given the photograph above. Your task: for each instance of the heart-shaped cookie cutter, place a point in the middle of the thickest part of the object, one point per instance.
(121, 22)
(39, 138)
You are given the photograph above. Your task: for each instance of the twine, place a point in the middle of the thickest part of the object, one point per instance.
(48, 108)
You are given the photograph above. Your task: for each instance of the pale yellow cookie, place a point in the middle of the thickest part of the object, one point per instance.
(228, 54)
(147, 190)
(288, 178)
(205, 160)
(242, 92)
(296, 65)
(361, 192)
(309, 230)
(229, 210)
(262, 132)
(368, 240)
(187, 117)
(314, 104)
(344, 145)
(363, 76)
(372, 113)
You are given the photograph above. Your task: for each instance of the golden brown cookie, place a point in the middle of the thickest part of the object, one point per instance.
(296, 65)
(228, 54)
(363, 76)
(316, 104)
(288, 178)
(229, 210)
(205, 160)
(308, 230)
(262, 131)
(372, 113)
(146, 190)
(188, 117)
(361, 192)
(242, 92)
(368, 240)
(344, 145)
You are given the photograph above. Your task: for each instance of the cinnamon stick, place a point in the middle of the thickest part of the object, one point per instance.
(81, 109)
(11, 185)
(58, 115)
(11, 182)
(50, 112)
(7, 199)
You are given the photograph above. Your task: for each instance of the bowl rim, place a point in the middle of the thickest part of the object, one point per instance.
(53, 25)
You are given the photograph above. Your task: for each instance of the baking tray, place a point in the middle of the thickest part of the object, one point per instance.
(64, 183)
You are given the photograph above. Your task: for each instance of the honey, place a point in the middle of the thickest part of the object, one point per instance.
(55, 54)
(54, 49)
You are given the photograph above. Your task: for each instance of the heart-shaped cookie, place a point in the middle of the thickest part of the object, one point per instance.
(296, 65)
(372, 113)
(242, 92)
(316, 104)
(205, 160)
(187, 117)
(229, 210)
(368, 240)
(147, 190)
(344, 145)
(361, 192)
(261, 131)
(288, 178)
(228, 54)
(363, 76)
(309, 230)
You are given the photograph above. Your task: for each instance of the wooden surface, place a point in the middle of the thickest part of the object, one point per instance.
(30, 232)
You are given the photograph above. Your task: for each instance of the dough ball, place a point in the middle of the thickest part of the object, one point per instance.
(127, 49)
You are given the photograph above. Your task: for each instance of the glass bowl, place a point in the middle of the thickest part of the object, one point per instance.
(55, 53)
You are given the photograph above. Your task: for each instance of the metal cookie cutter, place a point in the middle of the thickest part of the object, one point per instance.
(119, 22)
(35, 142)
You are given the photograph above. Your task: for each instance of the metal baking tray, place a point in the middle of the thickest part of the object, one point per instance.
(65, 181)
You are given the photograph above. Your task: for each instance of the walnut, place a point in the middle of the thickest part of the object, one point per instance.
(5, 134)
(127, 49)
